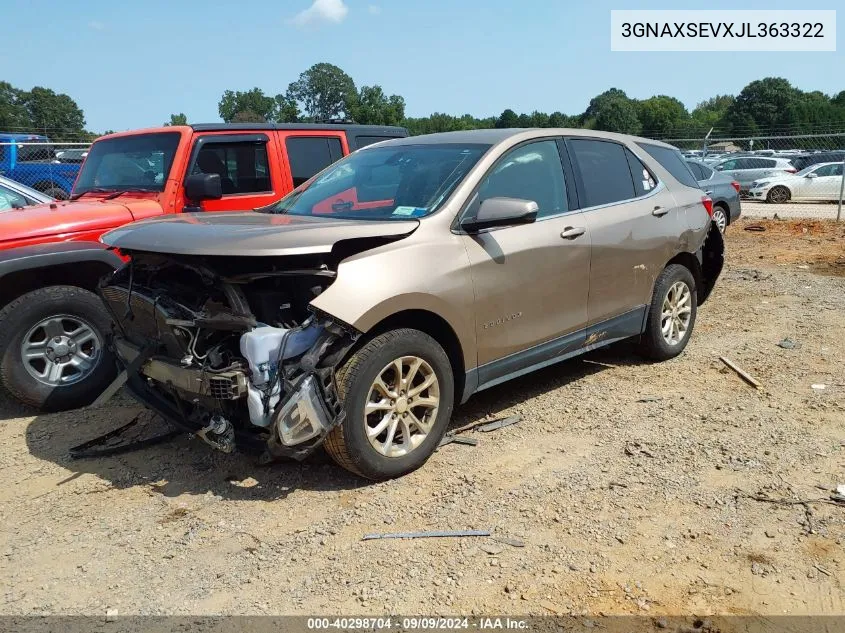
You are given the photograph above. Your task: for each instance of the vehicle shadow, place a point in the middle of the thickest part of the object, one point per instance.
(187, 466)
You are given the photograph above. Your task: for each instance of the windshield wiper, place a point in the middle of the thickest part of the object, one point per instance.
(120, 192)
(79, 194)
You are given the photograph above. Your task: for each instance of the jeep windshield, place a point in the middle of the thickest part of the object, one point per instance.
(128, 163)
(394, 182)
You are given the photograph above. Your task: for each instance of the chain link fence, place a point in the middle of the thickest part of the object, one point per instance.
(801, 176)
(48, 167)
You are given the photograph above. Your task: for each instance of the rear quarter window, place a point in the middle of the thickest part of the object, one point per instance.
(672, 161)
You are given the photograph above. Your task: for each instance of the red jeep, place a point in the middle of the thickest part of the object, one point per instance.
(52, 326)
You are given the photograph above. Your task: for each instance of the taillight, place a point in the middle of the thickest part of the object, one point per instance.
(708, 205)
(735, 185)
(790, 170)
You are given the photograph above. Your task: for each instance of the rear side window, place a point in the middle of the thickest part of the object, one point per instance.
(242, 167)
(309, 155)
(363, 141)
(672, 161)
(706, 172)
(604, 170)
(644, 180)
(695, 168)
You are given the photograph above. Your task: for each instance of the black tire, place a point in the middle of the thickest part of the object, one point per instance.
(17, 318)
(348, 444)
(652, 343)
(780, 189)
(57, 193)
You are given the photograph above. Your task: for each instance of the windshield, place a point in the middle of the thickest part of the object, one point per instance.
(384, 183)
(807, 170)
(128, 162)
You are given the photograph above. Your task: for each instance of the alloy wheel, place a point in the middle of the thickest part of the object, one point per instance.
(61, 350)
(720, 219)
(401, 407)
(676, 313)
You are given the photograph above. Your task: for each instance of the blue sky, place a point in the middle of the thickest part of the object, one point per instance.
(130, 64)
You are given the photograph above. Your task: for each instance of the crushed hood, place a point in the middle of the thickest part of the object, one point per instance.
(66, 218)
(249, 234)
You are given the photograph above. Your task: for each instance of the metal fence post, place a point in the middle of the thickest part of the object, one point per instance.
(841, 190)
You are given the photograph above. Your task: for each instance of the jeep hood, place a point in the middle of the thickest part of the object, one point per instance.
(249, 234)
(65, 219)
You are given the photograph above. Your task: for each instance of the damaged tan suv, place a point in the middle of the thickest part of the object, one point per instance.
(357, 311)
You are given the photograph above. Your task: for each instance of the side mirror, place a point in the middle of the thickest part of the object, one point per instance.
(501, 212)
(200, 187)
(718, 167)
(812, 174)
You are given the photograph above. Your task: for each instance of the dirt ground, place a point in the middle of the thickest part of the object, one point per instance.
(631, 486)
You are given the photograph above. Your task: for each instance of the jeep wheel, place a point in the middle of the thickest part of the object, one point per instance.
(671, 315)
(398, 394)
(52, 348)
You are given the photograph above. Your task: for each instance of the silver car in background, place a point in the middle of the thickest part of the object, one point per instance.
(816, 182)
(747, 169)
(14, 195)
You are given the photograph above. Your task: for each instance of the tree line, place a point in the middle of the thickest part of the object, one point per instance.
(324, 92)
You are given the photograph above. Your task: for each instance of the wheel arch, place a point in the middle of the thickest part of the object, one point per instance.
(432, 324)
(70, 264)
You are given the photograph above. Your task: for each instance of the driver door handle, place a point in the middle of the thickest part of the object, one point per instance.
(573, 232)
(659, 211)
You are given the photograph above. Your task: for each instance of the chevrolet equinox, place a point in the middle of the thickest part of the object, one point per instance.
(358, 310)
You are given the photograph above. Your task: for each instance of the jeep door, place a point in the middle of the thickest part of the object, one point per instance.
(531, 281)
(634, 225)
(248, 166)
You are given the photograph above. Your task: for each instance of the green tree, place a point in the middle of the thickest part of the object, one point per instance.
(253, 101)
(13, 114)
(661, 115)
(709, 114)
(373, 107)
(507, 119)
(56, 114)
(612, 111)
(325, 92)
(177, 119)
(766, 104)
(286, 110)
(248, 116)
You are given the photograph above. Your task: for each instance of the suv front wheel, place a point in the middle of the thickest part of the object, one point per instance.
(53, 354)
(398, 394)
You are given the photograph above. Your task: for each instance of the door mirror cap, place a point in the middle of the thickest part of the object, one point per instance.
(812, 174)
(501, 212)
(199, 187)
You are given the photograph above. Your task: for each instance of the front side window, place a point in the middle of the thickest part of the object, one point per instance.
(242, 166)
(829, 170)
(604, 171)
(309, 155)
(530, 172)
(140, 162)
(385, 183)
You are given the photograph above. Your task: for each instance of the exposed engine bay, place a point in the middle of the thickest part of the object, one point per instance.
(238, 358)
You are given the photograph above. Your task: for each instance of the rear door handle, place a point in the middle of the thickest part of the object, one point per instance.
(573, 232)
(659, 211)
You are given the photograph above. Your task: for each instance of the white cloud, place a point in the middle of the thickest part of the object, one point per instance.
(97, 26)
(374, 9)
(321, 11)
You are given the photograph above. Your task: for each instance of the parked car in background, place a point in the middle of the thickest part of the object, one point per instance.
(30, 159)
(14, 195)
(73, 155)
(816, 182)
(52, 326)
(747, 169)
(722, 189)
(802, 161)
(537, 245)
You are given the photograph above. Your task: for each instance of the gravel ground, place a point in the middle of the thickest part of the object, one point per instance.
(628, 485)
(792, 210)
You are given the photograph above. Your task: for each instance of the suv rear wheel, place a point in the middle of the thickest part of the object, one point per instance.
(53, 354)
(671, 315)
(398, 393)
